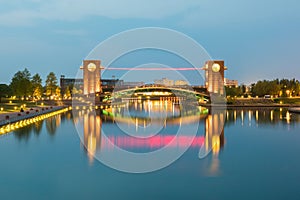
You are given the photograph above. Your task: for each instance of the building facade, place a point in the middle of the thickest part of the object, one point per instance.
(164, 81)
(231, 83)
(91, 77)
(214, 76)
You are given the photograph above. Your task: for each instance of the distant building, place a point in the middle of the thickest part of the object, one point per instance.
(70, 82)
(130, 83)
(181, 83)
(230, 83)
(164, 81)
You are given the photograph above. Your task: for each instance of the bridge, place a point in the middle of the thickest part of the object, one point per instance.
(92, 83)
(158, 91)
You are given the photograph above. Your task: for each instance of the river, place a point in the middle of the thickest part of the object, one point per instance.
(255, 156)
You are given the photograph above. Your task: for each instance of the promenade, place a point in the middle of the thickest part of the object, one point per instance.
(7, 118)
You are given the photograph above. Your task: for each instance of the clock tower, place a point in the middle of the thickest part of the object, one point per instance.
(91, 76)
(214, 76)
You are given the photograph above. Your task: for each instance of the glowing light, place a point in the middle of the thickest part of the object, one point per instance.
(256, 115)
(13, 126)
(153, 142)
(272, 115)
(216, 145)
(288, 117)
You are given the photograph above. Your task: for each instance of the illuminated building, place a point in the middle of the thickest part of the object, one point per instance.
(164, 81)
(78, 83)
(181, 82)
(214, 76)
(231, 83)
(91, 76)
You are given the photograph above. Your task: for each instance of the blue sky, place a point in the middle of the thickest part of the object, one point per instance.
(257, 39)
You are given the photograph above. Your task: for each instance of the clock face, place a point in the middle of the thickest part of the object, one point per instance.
(216, 67)
(91, 67)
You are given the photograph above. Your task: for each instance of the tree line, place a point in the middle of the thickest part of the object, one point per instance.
(275, 88)
(24, 85)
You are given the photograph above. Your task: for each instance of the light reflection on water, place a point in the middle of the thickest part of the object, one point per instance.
(255, 155)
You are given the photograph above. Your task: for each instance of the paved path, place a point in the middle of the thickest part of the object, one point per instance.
(15, 114)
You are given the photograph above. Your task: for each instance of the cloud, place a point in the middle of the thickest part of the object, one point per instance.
(235, 12)
(191, 12)
(29, 11)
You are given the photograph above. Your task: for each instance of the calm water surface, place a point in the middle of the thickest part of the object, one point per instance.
(256, 157)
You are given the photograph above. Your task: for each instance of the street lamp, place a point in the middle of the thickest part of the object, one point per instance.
(288, 93)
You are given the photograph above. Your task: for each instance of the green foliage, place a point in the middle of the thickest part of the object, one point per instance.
(5, 91)
(275, 87)
(21, 84)
(67, 92)
(234, 91)
(51, 84)
(37, 88)
(57, 92)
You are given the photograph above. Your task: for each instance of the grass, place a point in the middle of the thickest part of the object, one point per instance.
(286, 100)
(7, 106)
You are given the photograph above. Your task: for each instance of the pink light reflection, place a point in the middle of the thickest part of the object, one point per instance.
(152, 142)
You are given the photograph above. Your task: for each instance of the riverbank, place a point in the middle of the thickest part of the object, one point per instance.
(15, 120)
(295, 110)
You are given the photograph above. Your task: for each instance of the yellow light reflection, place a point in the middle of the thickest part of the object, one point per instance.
(16, 125)
(288, 117)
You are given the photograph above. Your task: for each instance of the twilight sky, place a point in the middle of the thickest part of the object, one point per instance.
(257, 39)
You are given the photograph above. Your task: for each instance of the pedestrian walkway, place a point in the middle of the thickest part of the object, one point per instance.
(4, 117)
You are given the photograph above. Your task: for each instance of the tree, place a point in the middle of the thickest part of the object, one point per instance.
(5, 91)
(233, 91)
(266, 87)
(67, 93)
(21, 84)
(37, 88)
(51, 84)
(57, 92)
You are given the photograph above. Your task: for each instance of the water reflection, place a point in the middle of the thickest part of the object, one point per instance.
(24, 133)
(36, 128)
(262, 116)
(92, 133)
(138, 116)
(52, 123)
(211, 135)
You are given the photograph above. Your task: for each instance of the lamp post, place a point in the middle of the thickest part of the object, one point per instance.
(288, 93)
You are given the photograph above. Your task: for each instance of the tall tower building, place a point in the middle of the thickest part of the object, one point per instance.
(91, 76)
(214, 76)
